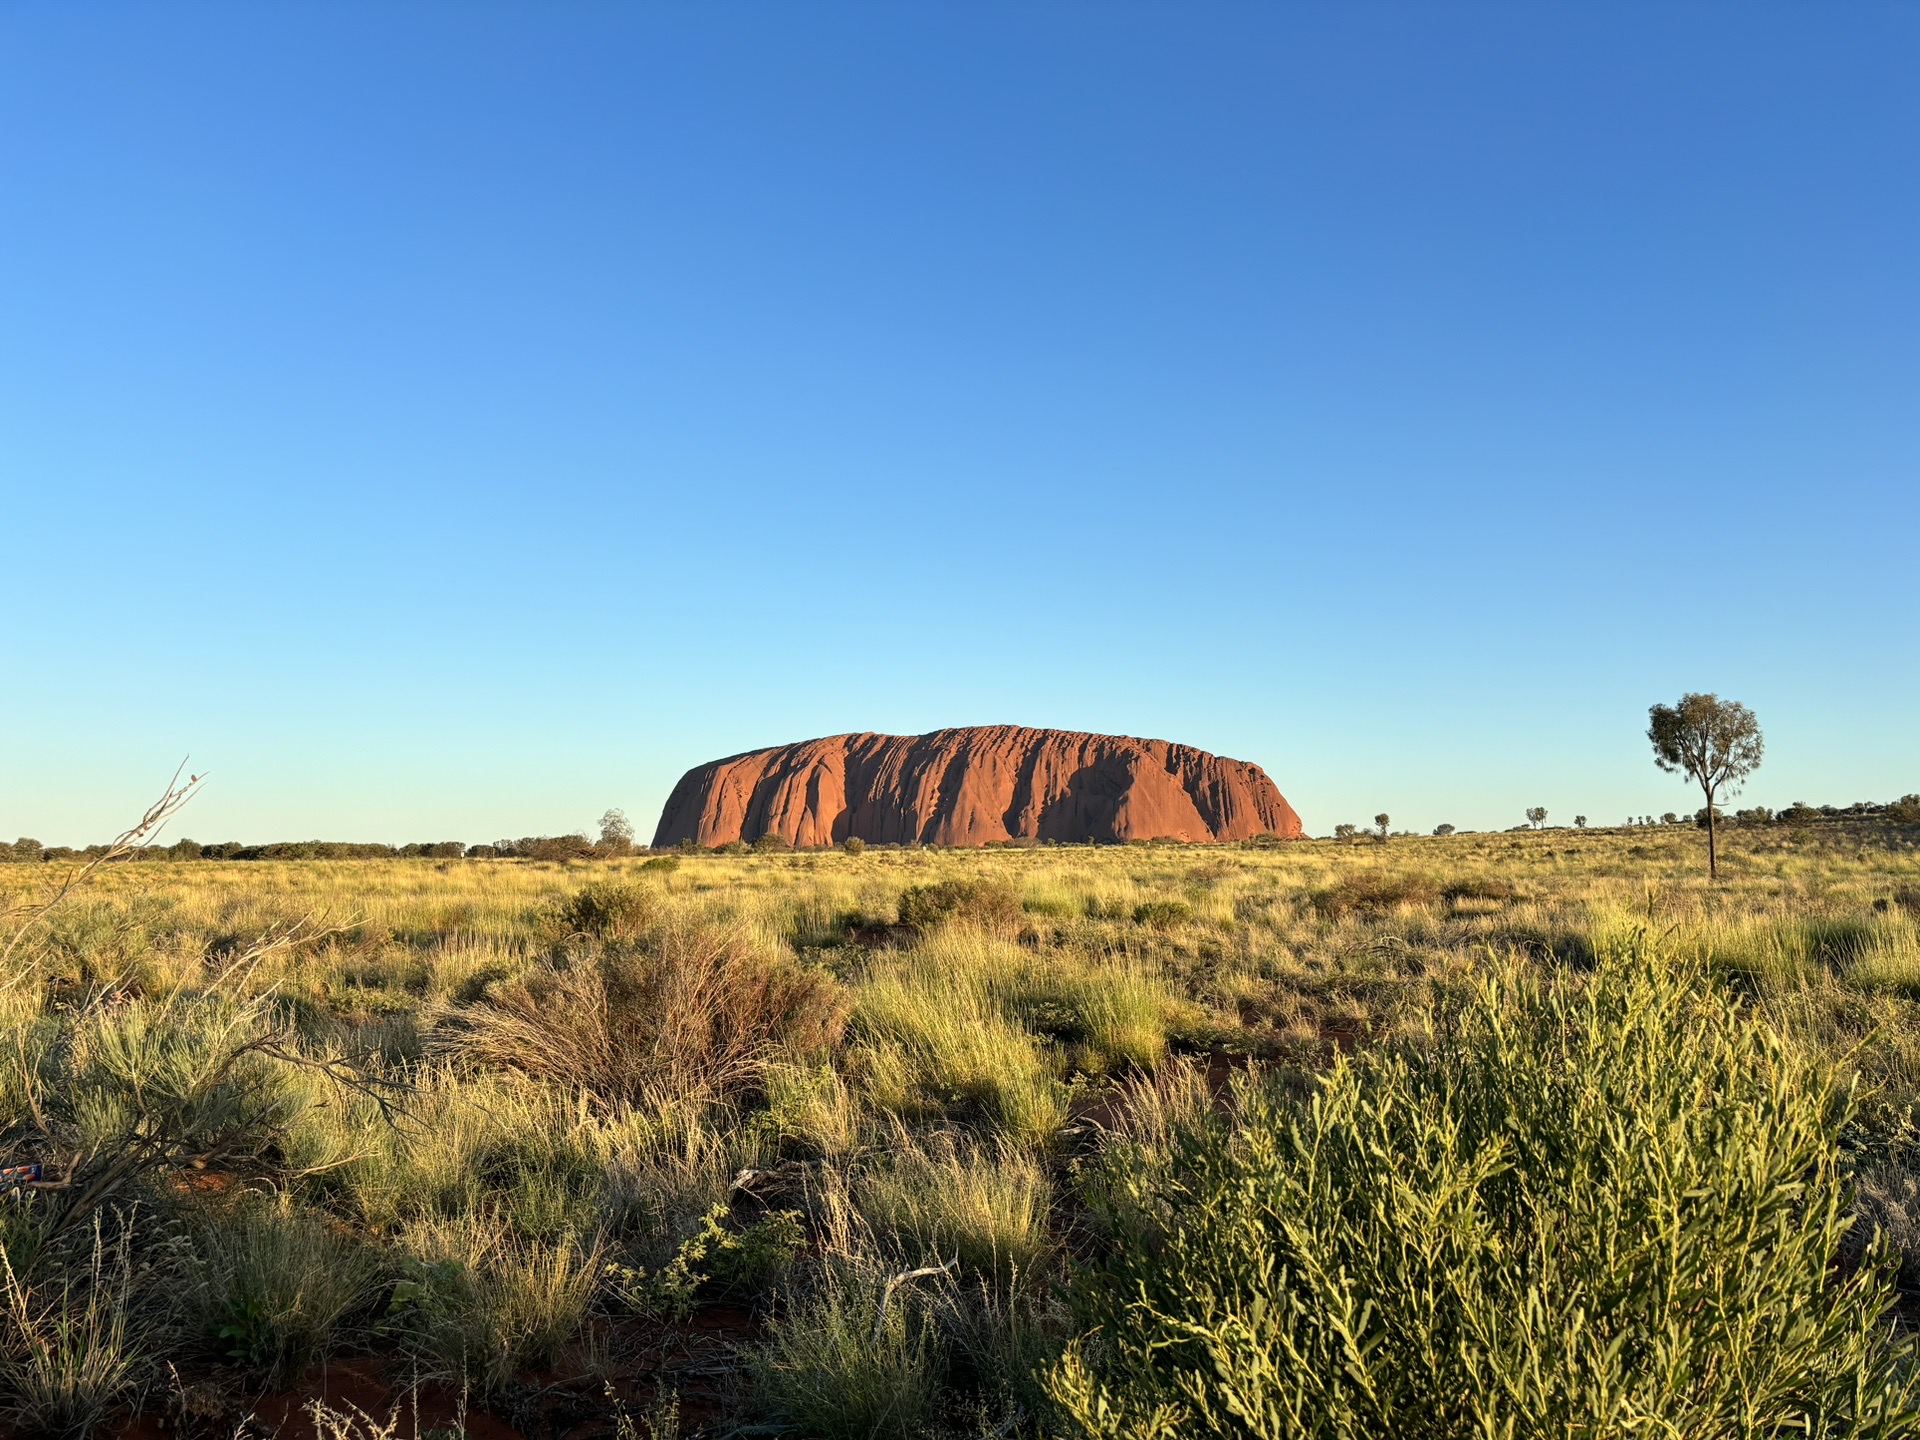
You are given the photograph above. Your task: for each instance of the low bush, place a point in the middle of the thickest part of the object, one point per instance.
(480, 1304)
(859, 1358)
(1162, 914)
(278, 1285)
(1374, 891)
(697, 1008)
(719, 1259)
(610, 910)
(984, 902)
(1592, 1205)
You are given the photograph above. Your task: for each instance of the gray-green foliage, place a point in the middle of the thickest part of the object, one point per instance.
(278, 1285)
(1605, 1205)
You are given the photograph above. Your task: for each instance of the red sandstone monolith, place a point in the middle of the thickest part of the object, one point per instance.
(972, 785)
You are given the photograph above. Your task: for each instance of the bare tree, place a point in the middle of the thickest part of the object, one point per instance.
(1716, 743)
(1537, 816)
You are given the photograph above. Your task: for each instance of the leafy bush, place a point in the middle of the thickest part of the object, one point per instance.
(609, 910)
(854, 845)
(1598, 1207)
(732, 1261)
(984, 902)
(1162, 914)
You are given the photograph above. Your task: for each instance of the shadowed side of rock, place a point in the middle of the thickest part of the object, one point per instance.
(972, 785)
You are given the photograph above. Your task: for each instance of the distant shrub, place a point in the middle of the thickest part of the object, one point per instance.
(609, 910)
(481, 852)
(982, 901)
(853, 845)
(772, 840)
(1478, 887)
(661, 865)
(733, 847)
(1443, 829)
(1905, 810)
(1162, 914)
(1757, 815)
(1579, 1208)
(547, 847)
(1377, 890)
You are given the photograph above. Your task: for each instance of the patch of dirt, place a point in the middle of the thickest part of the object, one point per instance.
(621, 1367)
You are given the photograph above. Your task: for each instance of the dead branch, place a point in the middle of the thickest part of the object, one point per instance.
(22, 918)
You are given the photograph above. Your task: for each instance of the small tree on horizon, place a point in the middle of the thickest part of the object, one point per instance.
(1716, 743)
(1380, 823)
(1579, 822)
(1537, 816)
(616, 832)
(1443, 829)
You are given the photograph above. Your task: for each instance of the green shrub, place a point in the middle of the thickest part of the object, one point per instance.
(1162, 914)
(611, 910)
(718, 1258)
(854, 845)
(982, 901)
(1608, 1206)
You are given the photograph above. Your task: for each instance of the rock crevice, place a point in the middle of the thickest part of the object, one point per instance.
(972, 785)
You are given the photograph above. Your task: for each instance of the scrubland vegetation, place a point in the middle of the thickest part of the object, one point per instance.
(1476, 1135)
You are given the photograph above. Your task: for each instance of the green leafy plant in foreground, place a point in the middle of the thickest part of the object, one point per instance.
(744, 1259)
(1594, 1206)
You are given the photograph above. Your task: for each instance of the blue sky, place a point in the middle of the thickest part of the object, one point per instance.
(452, 420)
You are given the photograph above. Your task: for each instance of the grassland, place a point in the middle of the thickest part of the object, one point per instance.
(792, 1140)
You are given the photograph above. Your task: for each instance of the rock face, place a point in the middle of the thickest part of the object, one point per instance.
(972, 785)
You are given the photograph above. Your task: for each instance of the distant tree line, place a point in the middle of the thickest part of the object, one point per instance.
(616, 838)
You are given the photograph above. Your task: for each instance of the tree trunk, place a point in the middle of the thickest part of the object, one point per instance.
(1713, 859)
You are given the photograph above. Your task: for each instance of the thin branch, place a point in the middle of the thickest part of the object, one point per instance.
(127, 843)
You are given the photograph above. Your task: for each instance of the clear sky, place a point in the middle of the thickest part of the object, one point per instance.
(451, 420)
